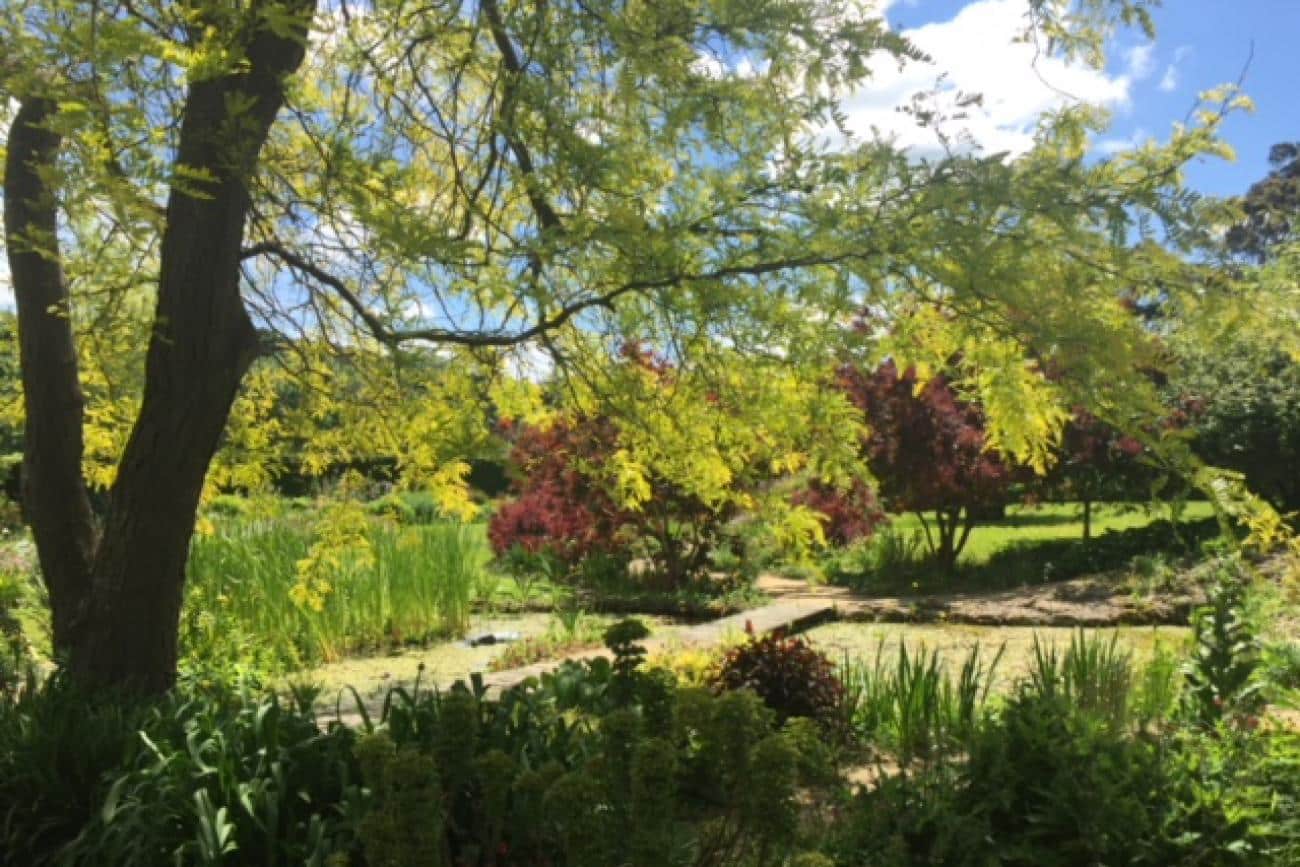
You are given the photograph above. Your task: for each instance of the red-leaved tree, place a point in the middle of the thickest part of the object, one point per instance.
(1096, 462)
(928, 452)
(564, 507)
(848, 514)
(559, 508)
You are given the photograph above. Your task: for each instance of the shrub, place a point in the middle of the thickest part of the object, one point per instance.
(229, 506)
(1221, 674)
(569, 770)
(848, 515)
(888, 558)
(1045, 785)
(1062, 559)
(892, 561)
(565, 506)
(407, 507)
(202, 774)
(788, 674)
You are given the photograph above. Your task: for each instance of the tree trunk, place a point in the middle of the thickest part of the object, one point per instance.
(55, 501)
(947, 553)
(1087, 520)
(202, 344)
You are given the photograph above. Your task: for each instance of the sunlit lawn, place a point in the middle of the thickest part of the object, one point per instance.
(1053, 521)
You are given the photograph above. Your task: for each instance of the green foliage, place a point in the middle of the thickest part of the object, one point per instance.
(1046, 784)
(1221, 674)
(1157, 689)
(893, 560)
(915, 708)
(15, 649)
(1093, 676)
(1240, 399)
(1280, 665)
(407, 507)
(569, 770)
(404, 824)
(621, 639)
(243, 603)
(210, 774)
(888, 557)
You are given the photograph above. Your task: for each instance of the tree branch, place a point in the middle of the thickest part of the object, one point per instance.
(392, 337)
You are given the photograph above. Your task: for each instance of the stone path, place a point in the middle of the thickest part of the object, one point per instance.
(1098, 600)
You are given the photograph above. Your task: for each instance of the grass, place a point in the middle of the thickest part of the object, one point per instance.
(419, 583)
(1019, 645)
(1050, 522)
(1031, 546)
(912, 701)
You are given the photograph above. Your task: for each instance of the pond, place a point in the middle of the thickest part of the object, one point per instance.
(862, 641)
(445, 662)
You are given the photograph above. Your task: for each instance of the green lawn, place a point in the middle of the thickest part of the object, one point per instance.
(1052, 521)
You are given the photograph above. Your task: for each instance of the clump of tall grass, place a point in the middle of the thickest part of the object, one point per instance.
(1092, 674)
(911, 706)
(417, 582)
(888, 559)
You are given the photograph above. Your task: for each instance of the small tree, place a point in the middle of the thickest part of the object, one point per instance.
(929, 452)
(567, 508)
(1097, 462)
(847, 514)
(558, 509)
(1240, 401)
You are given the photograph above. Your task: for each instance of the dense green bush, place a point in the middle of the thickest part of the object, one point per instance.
(600, 764)
(1045, 784)
(209, 775)
(595, 764)
(407, 507)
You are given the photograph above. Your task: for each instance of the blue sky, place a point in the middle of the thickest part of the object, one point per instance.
(1147, 85)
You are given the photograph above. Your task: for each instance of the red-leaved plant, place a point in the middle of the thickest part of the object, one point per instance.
(792, 677)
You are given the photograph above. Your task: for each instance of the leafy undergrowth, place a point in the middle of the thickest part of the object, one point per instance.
(1089, 756)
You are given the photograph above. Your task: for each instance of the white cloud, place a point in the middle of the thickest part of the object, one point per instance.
(1140, 61)
(1169, 81)
(976, 52)
(1112, 146)
(530, 362)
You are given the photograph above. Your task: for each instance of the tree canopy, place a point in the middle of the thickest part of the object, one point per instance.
(204, 198)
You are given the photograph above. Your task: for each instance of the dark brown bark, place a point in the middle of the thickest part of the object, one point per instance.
(954, 529)
(200, 347)
(54, 493)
